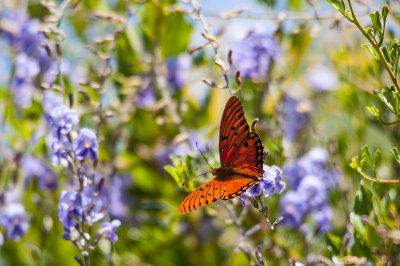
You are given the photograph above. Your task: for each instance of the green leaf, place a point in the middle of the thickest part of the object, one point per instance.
(389, 97)
(334, 243)
(385, 12)
(363, 201)
(376, 21)
(374, 111)
(366, 156)
(358, 224)
(355, 163)
(371, 51)
(396, 154)
(338, 4)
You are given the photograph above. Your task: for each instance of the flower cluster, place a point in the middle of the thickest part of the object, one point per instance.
(253, 55)
(31, 59)
(178, 71)
(32, 167)
(91, 206)
(310, 181)
(270, 184)
(294, 119)
(12, 217)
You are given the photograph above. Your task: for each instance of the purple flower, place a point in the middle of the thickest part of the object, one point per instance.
(13, 222)
(293, 208)
(322, 78)
(51, 99)
(315, 191)
(93, 203)
(23, 92)
(62, 119)
(86, 145)
(116, 195)
(294, 120)
(178, 71)
(24, 34)
(323, 218)
(26, 67)
(109, 228)
(294, 173)
(32, 167)
(269, 185)
(272, 182)
(69, 205)
(253, 55)
(1, 239)
(59, 151)
(146, 96)
(310, 177)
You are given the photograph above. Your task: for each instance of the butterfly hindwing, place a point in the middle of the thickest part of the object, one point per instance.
(207, 193)
(215, 190)
(238, 184)
(233, 132)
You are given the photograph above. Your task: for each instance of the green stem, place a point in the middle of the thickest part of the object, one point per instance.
(376, 180)
(355, 21)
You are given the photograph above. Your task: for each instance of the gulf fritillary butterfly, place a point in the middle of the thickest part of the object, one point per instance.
(241, 153)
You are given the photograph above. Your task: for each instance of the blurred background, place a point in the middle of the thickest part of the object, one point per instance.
(102, 103)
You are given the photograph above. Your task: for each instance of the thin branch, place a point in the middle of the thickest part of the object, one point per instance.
(217, 58)
(376, 180)
(355, 21)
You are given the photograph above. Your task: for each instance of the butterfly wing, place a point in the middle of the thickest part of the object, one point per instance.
(215, 190)
(239, 149)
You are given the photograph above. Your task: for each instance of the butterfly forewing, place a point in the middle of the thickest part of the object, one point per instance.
(239, 148)
(233, 130)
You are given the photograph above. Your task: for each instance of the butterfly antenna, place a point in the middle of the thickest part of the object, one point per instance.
(203, 155)
(194, 178)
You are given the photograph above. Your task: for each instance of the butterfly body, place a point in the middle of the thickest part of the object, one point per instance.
(241, 154)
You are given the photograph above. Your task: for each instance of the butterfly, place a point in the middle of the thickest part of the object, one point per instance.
(242, 157)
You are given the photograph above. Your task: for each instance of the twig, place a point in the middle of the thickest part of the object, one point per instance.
(355, 21)
(217, 58)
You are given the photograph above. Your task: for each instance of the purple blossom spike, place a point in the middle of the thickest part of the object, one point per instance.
(178, 71)
(323, 218)
(62, 119)
(59, 151)
(146, 97)
(108, 229)
(51, 100)
(69, 205)
(117, 196)
(253, 55)
(294, 120)
(86, 145)
(315, 191)
(293, 208)
(269, 185)
(272, 182)
(26, 67)
(34, 168)
(93, 203)
(13, 222)
(23, 92)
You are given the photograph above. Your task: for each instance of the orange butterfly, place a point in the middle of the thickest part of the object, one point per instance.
(241, 153)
